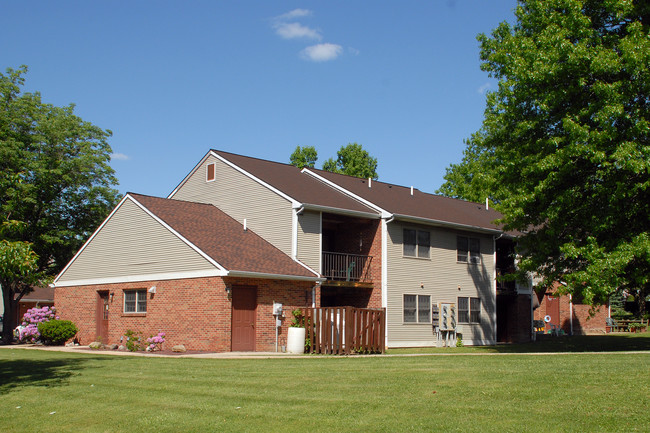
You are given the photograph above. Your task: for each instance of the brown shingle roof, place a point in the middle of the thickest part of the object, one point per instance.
(398, 200)
(222, 238)
(289, 179)
(394, 199)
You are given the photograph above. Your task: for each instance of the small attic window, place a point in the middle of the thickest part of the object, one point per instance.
(210, 173)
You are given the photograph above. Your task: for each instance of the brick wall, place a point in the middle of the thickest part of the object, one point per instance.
(586, 319)
(193, 312)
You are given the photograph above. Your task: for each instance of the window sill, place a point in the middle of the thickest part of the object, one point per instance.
(416, 258)
(416, 323)
(133, 315)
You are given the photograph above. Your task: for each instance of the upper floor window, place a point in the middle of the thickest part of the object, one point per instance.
(468, 249)
(135, 301)
(210, 172)
(416, 243)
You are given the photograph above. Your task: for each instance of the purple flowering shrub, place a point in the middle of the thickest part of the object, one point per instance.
(28, 333)
(156, 342)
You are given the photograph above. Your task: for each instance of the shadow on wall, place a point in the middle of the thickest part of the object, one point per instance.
(483, 282)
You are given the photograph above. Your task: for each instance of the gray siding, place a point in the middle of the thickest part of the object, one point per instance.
(309, 239)
(133, 243)
(267, 213)
(439, 277)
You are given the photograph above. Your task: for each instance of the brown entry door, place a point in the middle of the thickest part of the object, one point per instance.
(553, 310)
(244, 307)
(101, 318)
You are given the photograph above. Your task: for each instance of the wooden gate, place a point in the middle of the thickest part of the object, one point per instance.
(346, 330)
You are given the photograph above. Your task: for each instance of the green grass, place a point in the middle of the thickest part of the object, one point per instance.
(520, 392)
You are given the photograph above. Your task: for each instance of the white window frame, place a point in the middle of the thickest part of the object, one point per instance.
(422, 309)
(473, 311)
(139, 299)
(419, 247)
(469, 255)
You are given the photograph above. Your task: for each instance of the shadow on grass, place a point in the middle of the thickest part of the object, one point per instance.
(549, 344)
(581, 343)
(45, 372)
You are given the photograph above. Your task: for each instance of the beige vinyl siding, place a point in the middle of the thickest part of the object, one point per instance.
(133, 243)
(267, 213)
(439, 277)
(309, 239)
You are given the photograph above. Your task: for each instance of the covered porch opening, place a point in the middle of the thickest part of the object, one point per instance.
(514, 315)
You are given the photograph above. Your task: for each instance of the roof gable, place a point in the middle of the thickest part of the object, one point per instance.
(222, 238)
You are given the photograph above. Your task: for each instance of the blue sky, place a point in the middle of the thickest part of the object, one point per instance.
(173, 79)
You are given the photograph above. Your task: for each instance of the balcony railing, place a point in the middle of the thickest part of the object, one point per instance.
(347, 267)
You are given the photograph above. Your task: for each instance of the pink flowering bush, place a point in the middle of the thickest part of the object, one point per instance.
(28, 333)
(156, 342)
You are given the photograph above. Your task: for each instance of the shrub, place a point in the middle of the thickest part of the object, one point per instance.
(133, 340)
(156, 342)
(31, 320)
(56, 332)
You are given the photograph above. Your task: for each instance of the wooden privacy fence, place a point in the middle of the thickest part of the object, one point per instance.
(345, 330)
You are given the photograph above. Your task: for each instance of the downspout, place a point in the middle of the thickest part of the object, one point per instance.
(494, 284)
(571, 313)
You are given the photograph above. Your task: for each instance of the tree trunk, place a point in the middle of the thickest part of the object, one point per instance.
(9, 318)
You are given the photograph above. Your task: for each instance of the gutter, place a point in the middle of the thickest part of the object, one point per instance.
(448, 224)
(339, 211)
(248, 274)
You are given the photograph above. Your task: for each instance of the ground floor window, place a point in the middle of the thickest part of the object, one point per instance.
(417, 309)
(469, 310)
(135, 301)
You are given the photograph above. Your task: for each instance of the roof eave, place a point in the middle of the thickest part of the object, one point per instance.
(264, 275)
(348, 212)
(442, 223)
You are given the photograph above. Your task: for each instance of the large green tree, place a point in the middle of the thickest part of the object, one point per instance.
(566, 138)
(304, 157)
(55, 181)
(353, 160)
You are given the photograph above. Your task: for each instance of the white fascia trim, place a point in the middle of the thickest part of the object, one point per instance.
(294, 203)
(263, 275)
(384, 263)
(384, 213)
(190, 174)
(90, 238)
(178, 235)
(339, 211)
(143, 277)
(294, 233)
(307, 267)
(429, 221)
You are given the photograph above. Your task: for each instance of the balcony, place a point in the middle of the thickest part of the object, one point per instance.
(347, 269)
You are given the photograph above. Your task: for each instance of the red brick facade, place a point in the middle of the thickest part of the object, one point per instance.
(194, 312)
(584, 322)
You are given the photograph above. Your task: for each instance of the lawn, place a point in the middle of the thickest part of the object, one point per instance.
(42, 391)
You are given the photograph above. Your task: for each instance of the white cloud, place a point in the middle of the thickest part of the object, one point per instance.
(296, 13)
(484, 88)
(119, 157)
(296, 30)
(321, 52)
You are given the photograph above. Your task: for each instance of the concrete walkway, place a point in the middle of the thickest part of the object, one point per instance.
(220, 355)
(270, 355)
